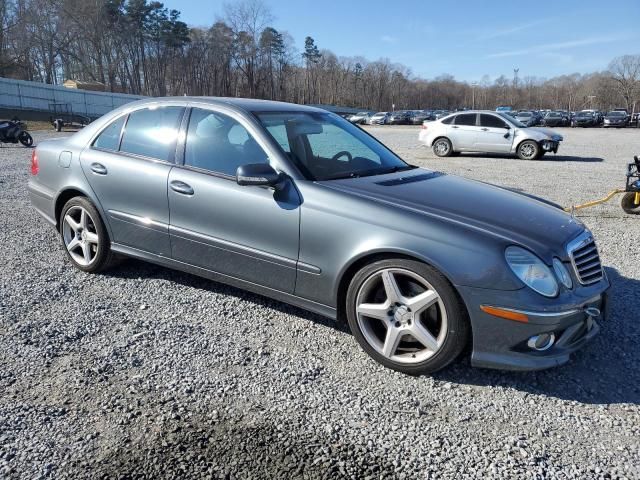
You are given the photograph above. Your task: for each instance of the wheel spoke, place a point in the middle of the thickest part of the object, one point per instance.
(72, 223)
(391, 342)
(83, 219)
(91, 237)
(86, 252)
(421, 334)
(391, 287)
(73, 244)
(374, 310)
(422, 301)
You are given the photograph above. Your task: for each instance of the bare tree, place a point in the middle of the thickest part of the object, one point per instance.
(625, 71)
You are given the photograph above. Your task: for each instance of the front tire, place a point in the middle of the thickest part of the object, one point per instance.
(84, 236)
(528, 150)
(442, 147)
(406, 316)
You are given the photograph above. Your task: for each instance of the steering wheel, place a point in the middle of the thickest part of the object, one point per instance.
(342, 153)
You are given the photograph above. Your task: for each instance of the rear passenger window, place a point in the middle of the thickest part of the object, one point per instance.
(466, 119)
(218, 143)
(491, 121)
(109, 138)
(152, 132)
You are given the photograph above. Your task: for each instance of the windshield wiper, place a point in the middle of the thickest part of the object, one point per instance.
(397, 168)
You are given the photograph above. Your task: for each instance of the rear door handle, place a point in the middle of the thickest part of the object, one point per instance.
(454, 126)
(181, 187)
(98, 168)
(484, 129)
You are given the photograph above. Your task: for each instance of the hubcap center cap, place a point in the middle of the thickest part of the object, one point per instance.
(402, 315)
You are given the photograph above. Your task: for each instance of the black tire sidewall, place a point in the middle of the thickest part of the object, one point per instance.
(627, 204)
(25, 139)
(529, 142)
(457, 321)
(449, 151)
(103, 255)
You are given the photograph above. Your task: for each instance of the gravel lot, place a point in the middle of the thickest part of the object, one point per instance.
(147, 372)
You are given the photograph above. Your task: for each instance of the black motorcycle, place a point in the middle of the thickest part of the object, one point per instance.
(13, 131)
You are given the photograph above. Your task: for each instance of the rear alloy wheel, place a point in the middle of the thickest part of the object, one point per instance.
(442, 147)
(84, 236)
(528, 150)
(406, 316)
(629, 205)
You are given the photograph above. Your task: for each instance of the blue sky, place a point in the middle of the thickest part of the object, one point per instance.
(465, 38)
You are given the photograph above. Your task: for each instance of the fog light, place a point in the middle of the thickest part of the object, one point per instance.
(541, 342)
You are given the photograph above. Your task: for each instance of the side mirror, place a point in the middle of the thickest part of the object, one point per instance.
(507, 127)
(260, 174)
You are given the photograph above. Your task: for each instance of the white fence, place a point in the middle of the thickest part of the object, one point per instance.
(23, 95)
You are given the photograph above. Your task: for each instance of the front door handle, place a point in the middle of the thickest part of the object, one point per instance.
(98, 168)
(484, 129)
(181, 187)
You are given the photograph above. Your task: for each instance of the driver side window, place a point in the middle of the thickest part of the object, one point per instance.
(220, 144)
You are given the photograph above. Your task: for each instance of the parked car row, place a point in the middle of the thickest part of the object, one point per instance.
(618, 117)
(400, 117)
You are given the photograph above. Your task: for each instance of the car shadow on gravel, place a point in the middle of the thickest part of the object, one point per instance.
(133, 269)
(603, 372)
(549, 157)
(606, 371)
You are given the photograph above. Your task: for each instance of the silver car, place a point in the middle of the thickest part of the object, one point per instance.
(487, 131)
(298, 204)
(380, 118)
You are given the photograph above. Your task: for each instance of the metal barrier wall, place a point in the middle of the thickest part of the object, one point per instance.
(35, 96)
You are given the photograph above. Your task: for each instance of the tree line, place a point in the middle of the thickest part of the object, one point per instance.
(142, 47)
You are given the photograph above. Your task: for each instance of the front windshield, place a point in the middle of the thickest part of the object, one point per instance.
(524, 114)
(512, 120)
(327, 147)
(616, 114)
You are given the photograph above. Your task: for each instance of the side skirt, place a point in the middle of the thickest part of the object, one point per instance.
(319, 308)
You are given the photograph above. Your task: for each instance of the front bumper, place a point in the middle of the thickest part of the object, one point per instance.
(503, 344)
(550, 145)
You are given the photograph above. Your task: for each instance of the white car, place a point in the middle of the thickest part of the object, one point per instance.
(487, 131)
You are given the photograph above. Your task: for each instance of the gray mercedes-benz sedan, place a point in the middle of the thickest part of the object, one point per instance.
(297, 204)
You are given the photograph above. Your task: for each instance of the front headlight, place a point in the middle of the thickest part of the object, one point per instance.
(532, 271)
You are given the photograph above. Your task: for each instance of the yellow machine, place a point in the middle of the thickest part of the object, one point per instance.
(630, 201)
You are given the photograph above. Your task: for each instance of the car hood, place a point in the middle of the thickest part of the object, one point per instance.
(514, 217)
(538, 133)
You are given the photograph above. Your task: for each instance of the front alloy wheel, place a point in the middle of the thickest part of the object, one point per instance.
(529, 150)
(406, 316)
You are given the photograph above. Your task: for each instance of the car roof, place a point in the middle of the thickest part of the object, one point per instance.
(245, 104)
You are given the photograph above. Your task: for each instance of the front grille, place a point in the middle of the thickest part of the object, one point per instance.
(585, 259)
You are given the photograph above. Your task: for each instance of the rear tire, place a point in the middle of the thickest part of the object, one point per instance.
(416, 342)
(529, 150)
(84, 237)
(442, 147)
(25, 139)
(628, 204)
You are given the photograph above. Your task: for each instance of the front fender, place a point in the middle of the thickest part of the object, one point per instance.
(338, 230)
